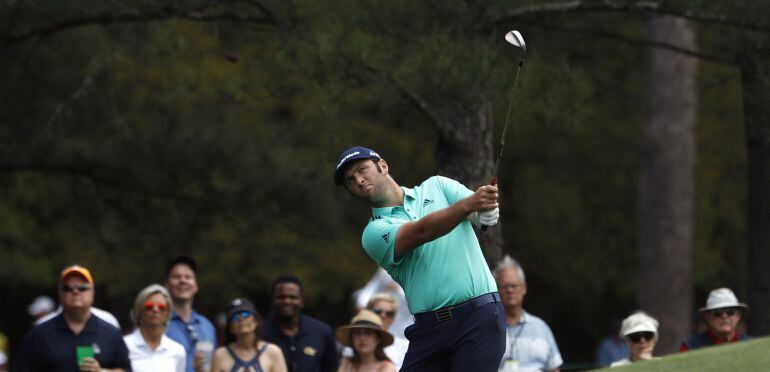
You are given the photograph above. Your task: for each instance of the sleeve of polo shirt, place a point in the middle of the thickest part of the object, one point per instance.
(379, 242)
(554, 357)
(453, 190)
(26, 357)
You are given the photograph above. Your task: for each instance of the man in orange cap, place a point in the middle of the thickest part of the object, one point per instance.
(103, 314)
(74, 340)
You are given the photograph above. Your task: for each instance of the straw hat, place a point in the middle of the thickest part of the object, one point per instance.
(721, 298)
(365, 319)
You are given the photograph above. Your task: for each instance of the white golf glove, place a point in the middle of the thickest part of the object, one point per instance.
(489, 218)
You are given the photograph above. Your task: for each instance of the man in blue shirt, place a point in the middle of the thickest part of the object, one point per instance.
(308, 344)
(530, 345)
(612, 347)
(188, 327)
(74, 340)
(423, 237)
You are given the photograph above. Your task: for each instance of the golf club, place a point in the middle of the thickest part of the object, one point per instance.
(514, 38)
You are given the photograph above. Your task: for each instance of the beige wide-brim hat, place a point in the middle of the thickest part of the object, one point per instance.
(722, 298)
(365, 319)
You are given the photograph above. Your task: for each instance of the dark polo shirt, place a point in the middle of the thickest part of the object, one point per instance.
(51, 346)
(312, 349)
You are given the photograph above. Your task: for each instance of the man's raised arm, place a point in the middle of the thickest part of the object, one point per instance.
(434, 225)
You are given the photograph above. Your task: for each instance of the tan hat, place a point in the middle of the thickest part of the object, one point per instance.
(365, 319)
(721, 298)
(638, 322)
(76, 270)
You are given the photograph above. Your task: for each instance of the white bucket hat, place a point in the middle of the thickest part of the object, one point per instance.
(638, 322)
(721, 298)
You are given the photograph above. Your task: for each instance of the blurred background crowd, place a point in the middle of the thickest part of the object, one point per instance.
(168, 334)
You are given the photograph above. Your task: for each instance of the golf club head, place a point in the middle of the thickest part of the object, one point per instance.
(514, 37)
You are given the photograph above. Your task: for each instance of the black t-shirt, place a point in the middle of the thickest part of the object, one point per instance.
(52, 346)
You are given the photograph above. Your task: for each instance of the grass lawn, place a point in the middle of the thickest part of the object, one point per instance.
(744, 356)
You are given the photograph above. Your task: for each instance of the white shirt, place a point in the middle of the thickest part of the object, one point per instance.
(382, 282)
(99, 313)
(397, 350)
(622, 362)
(625, 362)
(169, 356)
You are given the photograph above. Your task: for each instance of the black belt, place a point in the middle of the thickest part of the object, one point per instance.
(454, 311)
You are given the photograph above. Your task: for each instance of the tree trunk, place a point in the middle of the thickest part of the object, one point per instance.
(667, 183)
(465, 152)
(755, 73)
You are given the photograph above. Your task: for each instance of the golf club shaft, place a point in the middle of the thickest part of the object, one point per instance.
(493, 180)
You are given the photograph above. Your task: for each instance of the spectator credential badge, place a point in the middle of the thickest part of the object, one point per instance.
(510, 365)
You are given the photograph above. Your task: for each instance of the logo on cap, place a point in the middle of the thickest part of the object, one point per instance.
(353, 153)
(348, 156)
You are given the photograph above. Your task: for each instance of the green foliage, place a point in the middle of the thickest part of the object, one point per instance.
(721, 204)
(125, 144)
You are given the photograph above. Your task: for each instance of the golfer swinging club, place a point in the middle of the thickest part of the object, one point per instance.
(424, 239)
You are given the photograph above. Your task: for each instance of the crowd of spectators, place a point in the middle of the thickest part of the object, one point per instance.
(169, 335)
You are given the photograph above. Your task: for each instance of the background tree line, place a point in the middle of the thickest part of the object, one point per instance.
(134, 131)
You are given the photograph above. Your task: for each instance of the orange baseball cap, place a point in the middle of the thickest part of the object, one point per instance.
(79, 270)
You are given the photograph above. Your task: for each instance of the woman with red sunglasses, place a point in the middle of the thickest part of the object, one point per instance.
(641, 332)
(148, 346)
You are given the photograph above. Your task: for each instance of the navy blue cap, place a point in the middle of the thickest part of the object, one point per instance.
(238, 305)
(350, 155)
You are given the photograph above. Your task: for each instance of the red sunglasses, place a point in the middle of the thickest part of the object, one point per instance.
(160, 306)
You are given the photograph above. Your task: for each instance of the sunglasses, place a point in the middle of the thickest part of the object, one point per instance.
(716, 313)
(237, 317)
(160, 306)
(75, 288)
(638, 336)
(380, 312)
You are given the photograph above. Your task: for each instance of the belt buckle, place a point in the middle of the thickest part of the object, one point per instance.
(444, 314)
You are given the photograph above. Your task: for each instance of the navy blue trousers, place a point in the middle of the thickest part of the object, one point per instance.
(474, 341)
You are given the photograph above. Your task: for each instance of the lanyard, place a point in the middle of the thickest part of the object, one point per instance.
(515, 340)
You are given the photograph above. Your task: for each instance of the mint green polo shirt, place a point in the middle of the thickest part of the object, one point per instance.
(446, 271)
